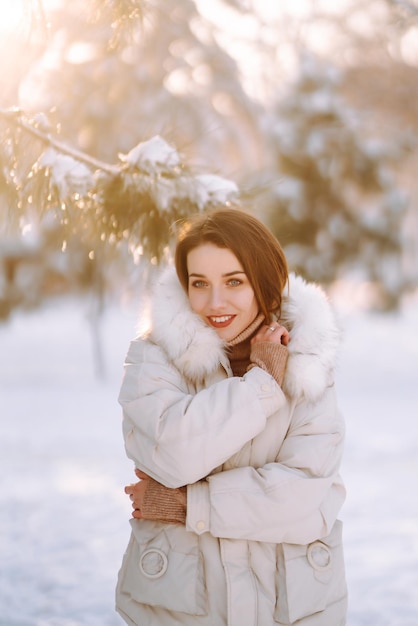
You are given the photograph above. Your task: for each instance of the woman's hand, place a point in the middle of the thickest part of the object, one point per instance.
(136, 492)
(153, 501)
(272, 332)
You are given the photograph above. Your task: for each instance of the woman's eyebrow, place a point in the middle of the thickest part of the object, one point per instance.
(196, 275)
(233, 273)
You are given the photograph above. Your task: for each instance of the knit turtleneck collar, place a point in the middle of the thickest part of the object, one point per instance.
(239, 348)
(245, 334)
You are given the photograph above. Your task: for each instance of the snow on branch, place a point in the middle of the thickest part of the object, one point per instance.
(135, 200)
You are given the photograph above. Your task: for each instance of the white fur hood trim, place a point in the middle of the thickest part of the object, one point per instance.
(196, 350)
(314, 339)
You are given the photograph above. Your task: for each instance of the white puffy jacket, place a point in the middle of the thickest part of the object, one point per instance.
(262, 543)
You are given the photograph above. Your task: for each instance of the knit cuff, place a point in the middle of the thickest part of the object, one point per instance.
(164, 504)
(271, 357)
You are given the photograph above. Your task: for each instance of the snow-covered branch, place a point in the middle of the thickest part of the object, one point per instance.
(38, 126)
(135, 200)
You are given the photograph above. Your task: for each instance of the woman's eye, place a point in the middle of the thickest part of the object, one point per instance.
(234, 282)
(198, 284)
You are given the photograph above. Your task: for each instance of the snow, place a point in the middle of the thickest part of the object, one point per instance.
(156, 157)
(67, 174)
(152, 156)
(215, 189)
(379, 396)
(64, 517)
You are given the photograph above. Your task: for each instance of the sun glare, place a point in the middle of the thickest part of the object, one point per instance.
(11, 15)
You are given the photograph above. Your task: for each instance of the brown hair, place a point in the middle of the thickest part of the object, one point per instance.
(256, 248)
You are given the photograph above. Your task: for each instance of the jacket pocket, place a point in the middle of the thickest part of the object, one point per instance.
(309, 577)
(162, 567)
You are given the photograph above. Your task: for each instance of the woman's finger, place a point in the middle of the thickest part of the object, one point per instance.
(285, 337)
(142, 475)
(273, 333)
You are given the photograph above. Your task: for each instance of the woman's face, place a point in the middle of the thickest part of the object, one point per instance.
(219, 290)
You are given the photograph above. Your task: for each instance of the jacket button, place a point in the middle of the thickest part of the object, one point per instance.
(153, 563)
(319, 556)
(265, 387)
(200, 525)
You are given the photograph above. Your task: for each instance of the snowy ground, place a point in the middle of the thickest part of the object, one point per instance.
(63, 514)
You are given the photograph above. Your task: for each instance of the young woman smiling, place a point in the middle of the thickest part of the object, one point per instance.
(231, 419)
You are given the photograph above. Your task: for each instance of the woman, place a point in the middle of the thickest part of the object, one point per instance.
(231, 420)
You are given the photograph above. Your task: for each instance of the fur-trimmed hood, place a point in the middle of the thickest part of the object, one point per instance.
(196, 350)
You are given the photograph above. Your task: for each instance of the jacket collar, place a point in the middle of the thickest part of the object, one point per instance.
(196, 350)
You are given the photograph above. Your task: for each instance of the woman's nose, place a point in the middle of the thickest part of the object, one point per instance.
(217, 299)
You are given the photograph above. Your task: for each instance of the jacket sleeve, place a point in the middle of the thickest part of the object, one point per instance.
(295, 499)
(178, 437)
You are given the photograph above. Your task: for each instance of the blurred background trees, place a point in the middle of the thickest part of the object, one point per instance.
(118, 117)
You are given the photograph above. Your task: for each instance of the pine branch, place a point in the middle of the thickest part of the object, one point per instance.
(136, 200)
(16, 117)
